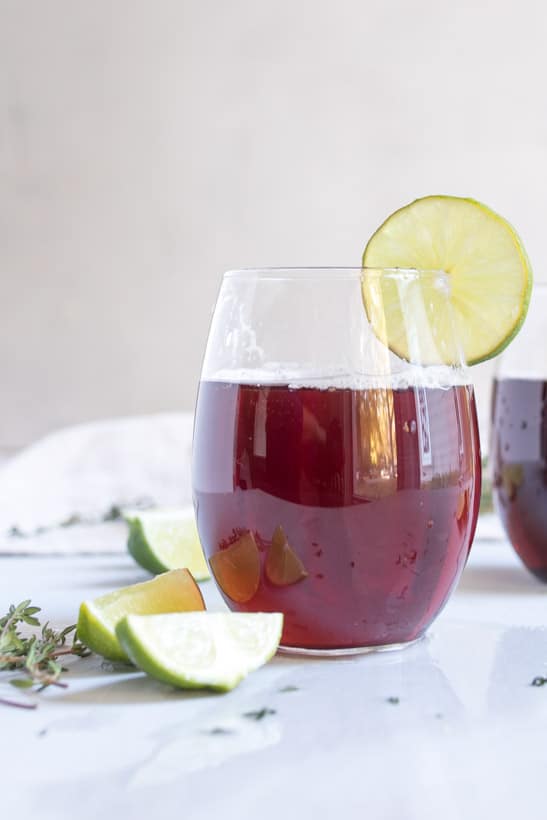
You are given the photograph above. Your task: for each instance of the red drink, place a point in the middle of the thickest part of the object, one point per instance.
(351, 511)
(519, 456)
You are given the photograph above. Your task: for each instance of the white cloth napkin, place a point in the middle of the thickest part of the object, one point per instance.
(55, 495)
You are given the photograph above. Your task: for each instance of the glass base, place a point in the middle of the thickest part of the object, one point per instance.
(345, 651)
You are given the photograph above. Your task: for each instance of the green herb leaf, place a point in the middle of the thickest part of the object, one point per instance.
(259, 714)
(21, 683)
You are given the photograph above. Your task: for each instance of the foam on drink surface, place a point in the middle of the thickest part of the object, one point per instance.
(439, 376)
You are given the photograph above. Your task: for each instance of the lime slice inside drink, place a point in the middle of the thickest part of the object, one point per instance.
(174, 591)
(488, 276)
(237, 569)
(193, 650)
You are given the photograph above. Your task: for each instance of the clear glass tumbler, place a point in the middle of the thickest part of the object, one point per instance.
(333, 480)
(518, 445)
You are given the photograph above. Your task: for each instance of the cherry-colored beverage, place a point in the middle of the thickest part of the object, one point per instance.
(519, 459)
(351, 511)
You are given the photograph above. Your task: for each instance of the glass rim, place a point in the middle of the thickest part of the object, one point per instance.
(326, 272)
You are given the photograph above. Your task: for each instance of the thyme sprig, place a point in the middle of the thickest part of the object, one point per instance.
(35, 655)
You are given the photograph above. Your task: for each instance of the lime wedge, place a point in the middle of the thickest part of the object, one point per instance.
(283, 566)
(174, 591)
(160, 540)
(194, 650)
(237, 569)
(489, 280)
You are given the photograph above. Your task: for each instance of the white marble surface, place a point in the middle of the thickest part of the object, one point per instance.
(466, 739)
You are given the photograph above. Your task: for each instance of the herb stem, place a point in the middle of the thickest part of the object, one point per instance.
(18, 704)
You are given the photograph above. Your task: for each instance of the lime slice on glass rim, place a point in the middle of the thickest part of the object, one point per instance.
(164, 539)
(174, 591)
(488, 278)
(195, 650)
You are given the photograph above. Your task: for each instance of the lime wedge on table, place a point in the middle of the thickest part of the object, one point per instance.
(174, 591)
(161, 540)
(193, 650)
(489, 280)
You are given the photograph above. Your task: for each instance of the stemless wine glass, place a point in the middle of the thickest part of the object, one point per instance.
(333, 480)
(518, 445)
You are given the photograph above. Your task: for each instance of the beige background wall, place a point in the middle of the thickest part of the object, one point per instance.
(147, 146)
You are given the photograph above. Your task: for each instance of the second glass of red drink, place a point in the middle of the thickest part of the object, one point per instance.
(518, 446)
(334, 481)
